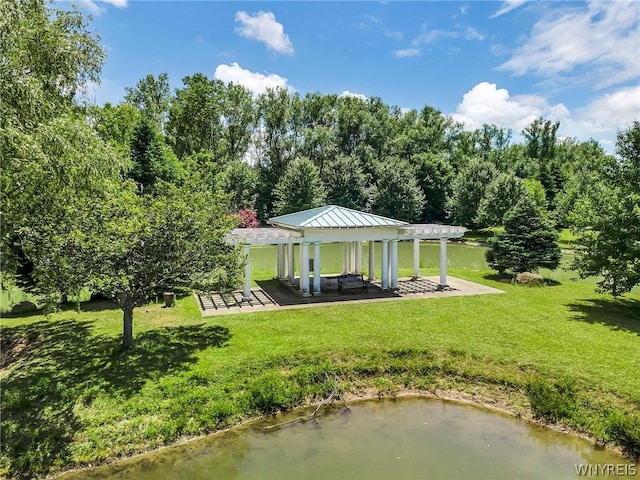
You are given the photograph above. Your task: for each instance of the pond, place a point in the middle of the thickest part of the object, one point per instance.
(402, 439)
(263, 260)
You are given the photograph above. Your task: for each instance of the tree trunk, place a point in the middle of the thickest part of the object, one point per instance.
(127, 332)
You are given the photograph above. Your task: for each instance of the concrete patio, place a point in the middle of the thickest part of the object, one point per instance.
(276, 295)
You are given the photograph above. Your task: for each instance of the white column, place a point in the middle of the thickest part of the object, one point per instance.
(372, 260)
(385, 265)
(345, 257)
(394, 264)
(416, 259)
(304, 269)
(281, 261)
(443, 262)
(316, 269)
(358, 250)
(246, 294)
(352, 262)
(290, 263)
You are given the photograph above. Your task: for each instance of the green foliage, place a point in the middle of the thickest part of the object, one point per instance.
(397, 194)
(278, 113)
(299, 189)
(468, 189)
(115, 125)
(500, 196)
(345, 183)
(606, 221)
(528, 242)
(625, 428)
(270, 393)
(151, 160)
(434, 175)
(152, 97)
(240, 181)
(195, 114)
(552, 400)
(536, 193)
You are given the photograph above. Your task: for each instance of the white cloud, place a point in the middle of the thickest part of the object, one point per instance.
(473, 34)
(263, 27)
(600, 119)
(95, 7)
(464, 9)
(255, 82)
(596, 44)
(347, 93)
(407, 52)
(392, 34)
(507, 6)
(485, 103)
(432, 36)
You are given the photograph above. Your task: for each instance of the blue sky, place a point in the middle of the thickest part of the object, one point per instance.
(480, 62)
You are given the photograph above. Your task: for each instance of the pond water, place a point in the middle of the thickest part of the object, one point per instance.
(403, 439)
(263, 260)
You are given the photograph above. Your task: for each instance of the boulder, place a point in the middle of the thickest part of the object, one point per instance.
(528, 278)
(24, 307)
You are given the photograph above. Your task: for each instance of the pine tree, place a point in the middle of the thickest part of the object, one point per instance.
(529, 241)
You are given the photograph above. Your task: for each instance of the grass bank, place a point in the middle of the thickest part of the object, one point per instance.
(69, 397)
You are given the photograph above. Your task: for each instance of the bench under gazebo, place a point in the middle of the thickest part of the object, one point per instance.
(309, 229)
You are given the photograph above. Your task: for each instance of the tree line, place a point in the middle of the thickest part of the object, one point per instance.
(131, 198)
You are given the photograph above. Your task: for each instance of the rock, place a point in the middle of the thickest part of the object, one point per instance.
(528, 278)
(24, 307)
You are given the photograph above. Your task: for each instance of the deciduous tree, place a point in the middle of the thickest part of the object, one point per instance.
(607, 221)
(299, 189)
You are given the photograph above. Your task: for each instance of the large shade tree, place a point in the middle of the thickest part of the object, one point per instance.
(397, 193)
(299, 189)
(607, 221)
(51, 157)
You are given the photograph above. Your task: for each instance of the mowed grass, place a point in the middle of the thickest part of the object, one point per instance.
(70, 397)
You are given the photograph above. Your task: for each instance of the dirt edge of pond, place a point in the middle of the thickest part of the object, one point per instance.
(490, 397)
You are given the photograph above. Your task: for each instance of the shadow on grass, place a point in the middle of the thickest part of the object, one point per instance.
(618, 314)
(507, 278)
(58, 364)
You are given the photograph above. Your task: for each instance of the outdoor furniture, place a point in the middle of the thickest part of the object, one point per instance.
(351, 280)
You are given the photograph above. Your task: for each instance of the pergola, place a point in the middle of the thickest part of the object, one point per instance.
(332, 224)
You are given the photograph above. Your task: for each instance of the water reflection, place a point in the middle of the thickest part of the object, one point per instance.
(411, 438)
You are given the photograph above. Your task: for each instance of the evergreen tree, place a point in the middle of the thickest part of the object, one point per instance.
(528, 242)
(299, 188)
(151, 159)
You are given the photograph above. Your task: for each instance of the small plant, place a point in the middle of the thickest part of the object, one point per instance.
(625, 430)
(552, 400)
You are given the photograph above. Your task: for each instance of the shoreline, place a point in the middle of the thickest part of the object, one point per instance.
(492, 403)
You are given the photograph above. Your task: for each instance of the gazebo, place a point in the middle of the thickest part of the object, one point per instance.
(333, 224)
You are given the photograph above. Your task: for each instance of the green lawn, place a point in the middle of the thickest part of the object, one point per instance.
(69, 397)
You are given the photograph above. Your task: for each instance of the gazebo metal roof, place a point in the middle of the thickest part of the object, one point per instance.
(333, 216)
